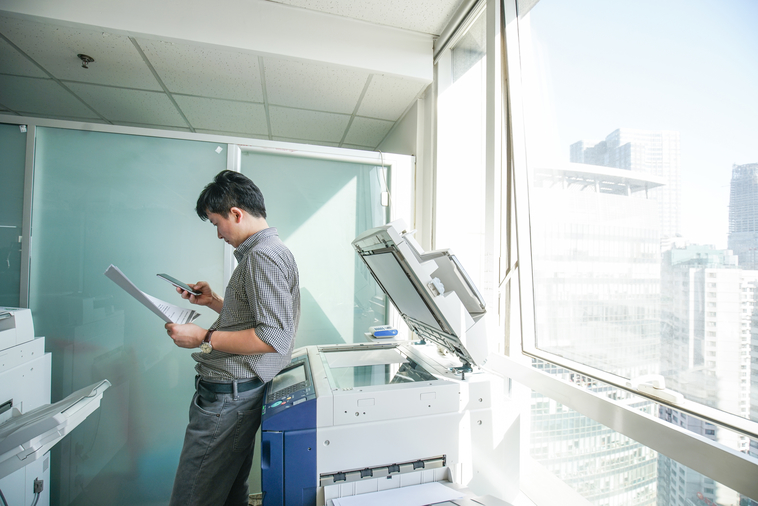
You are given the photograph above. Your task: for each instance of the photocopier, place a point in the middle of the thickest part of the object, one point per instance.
(365, 423)
(29, 424)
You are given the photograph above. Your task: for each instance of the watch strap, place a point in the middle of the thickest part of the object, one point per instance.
(208, 336)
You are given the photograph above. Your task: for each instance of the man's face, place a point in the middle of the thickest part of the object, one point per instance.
(227, 227)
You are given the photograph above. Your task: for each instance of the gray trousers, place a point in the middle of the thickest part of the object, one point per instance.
(218, 449)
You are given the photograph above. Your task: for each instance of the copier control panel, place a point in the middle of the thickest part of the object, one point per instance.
(292, 386)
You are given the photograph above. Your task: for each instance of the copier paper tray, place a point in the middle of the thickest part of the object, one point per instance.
(26, 437)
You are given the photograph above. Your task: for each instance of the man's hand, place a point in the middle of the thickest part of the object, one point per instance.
(206, 298)
(187, 335)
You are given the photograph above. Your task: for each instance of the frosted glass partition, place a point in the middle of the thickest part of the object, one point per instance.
(127, 200)
(319, 207)
(12, 150)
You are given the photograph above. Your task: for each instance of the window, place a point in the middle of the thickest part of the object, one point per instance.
(619, 247)
(461, 148)
(613, 218)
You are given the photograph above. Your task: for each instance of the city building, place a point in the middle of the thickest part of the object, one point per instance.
(596, 253)
(708, 307)
(743, 214)
(653, 152)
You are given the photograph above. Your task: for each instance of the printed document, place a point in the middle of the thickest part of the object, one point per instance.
(169, 313)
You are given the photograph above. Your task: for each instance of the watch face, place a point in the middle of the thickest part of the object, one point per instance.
(206, 348)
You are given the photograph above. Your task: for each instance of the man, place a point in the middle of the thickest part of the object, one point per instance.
(250, 342)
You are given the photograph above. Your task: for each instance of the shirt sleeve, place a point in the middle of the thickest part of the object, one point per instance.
(267, 285)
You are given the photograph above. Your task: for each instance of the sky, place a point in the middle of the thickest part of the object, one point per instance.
(688, 66)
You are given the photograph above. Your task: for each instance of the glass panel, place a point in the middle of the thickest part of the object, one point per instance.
(319, 207)
(385, 374)
(598, 462)
(13, 149)
(103, 198)
(644, 190)
(461, 143)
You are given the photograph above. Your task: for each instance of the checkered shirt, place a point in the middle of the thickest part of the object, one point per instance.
(263, 293)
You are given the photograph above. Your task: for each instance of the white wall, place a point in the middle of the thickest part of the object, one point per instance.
(412, 135)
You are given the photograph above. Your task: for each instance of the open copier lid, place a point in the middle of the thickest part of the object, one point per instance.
(432, 292)
(25, 438)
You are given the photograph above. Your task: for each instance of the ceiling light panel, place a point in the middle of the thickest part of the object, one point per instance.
(387, 97)
(224, 115)
(55, 48)
(307, 125)
(205, 71)
(32, 96)
(315, 86)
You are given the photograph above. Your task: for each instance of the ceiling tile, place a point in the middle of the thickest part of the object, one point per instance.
(224, 115)
(427, 16)
(310, 125)
(40, 96)
(205, 71)
(316, 86)
(54, 47)
(134, 106)
(16, 63)
(387, 97)
(367, 131)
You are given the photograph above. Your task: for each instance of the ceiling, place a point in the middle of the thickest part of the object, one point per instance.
(152, 81)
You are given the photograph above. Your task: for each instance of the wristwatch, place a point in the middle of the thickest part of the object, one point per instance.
(206, 346)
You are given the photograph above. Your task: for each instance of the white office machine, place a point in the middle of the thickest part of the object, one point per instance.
(29, 424)
(344, 421)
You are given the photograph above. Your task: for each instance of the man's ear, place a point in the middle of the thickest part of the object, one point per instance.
(237, 213)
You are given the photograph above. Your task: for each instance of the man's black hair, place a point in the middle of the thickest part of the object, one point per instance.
(230, 189)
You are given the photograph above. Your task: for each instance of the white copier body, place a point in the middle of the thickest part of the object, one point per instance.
(29, 425)
(389, 414)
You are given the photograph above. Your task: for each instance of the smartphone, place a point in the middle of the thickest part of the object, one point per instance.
(178, 284)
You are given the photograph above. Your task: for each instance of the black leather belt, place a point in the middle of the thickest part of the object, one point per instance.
(227, 387)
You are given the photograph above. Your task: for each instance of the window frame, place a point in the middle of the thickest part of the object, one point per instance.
(725, 465)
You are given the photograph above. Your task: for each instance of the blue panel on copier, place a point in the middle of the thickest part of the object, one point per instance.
(288, 435)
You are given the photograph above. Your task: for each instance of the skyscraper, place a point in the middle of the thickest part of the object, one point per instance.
(708, 308)
(653, 152)
(743, 214)
(596, 254)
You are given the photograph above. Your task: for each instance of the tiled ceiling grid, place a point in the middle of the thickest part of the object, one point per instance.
(426, 16)
(181, 86)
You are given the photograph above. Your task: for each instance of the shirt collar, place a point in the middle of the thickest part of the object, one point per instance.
(248, 244)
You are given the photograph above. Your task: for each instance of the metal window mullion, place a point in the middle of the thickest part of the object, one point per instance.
(26, 220)
(493, 164)
(518, 169)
